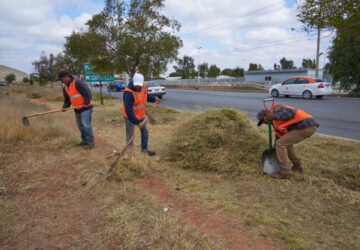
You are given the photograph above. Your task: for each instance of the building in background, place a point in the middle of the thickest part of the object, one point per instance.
(270, 77)
(19, 75)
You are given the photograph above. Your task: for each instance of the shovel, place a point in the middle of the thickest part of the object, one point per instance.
(26, 121)
(269, 160)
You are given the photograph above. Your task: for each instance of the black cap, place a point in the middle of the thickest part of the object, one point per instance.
(260, 116)
(62, 74)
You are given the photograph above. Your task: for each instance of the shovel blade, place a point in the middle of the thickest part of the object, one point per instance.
(270, 162)
(25, 121)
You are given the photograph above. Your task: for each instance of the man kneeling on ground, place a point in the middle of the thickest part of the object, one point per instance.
(134, 110)
(291, 126)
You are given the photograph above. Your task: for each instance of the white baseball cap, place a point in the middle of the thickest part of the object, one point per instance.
(138, 80)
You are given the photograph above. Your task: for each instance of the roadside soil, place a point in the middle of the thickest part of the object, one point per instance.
(55, 214)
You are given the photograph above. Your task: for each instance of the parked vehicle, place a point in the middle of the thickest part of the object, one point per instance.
(304, 86)
(155, 89)
(3, 84)
(116, 85)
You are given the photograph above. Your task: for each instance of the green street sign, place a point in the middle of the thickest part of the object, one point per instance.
(91, 77)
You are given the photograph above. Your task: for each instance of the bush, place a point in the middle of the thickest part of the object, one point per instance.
(25, 79)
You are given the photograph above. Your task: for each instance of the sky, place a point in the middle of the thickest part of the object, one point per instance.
(228, 33)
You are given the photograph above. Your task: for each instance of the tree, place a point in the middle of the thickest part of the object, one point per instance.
(308, 63)
(214, 71)
(185, 67)
(342, 15)
(203, 70)
(345, 61)
(10, 78)
(287, 64)
(135, 37)
(238, 72)
(276, 66)
(174, 74)
(255, 67)
(25, 80)
(45, 68)
(227, 72)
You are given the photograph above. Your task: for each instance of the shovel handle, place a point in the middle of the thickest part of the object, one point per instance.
(270, 135)
(269, 100)
(52, 111)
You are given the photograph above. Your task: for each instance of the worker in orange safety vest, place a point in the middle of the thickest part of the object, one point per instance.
(291, 126)
(78, 94)
(134, 110)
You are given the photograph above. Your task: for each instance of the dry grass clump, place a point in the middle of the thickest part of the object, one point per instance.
(129, 169)
(12, 109)
(140, 223)
(223, 140)
(163, 115)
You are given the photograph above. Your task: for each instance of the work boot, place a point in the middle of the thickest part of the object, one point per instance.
(297, 166)
(89, 145)
(146, 151)
(82, 144)
(281, 176)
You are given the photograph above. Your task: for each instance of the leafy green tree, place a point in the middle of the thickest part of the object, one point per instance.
(238, 72)
(344, 63)
(342, 15)
(214, 71)
(308, 63)
(277, 66)
(203, 69)
(287, 64)
(25, 80)
(136, 37)
(45, 68)
(174, 74)
(185, 67)
(227, 72)
(10, 78)
(255, 67)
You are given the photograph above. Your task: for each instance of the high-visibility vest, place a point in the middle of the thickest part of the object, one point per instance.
(140, 99)
(282, 127)
(76, 98)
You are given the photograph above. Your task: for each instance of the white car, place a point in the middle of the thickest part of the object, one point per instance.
(155, 89)
(304, 86)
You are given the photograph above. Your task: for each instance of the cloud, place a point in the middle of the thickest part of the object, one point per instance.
(236, 32)
(29, 27)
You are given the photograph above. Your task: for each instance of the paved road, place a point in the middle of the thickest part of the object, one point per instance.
(337, 116)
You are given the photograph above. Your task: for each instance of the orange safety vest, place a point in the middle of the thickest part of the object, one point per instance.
(282, 127)
(75, 98)
(140, 99)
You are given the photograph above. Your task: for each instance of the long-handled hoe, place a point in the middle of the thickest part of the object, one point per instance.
(26, 121)
(120, 154)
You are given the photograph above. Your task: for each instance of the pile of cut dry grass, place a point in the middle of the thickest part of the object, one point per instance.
(222, 140)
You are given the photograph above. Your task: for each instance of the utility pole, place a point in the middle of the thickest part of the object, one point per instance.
(199, 48)
(317, 54)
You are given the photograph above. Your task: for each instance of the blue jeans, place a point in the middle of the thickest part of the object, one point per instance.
(83, 120)
(130, 132)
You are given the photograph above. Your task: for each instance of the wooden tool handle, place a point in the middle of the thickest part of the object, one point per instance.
(53, 111)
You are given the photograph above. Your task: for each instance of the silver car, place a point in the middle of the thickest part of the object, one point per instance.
(155, 89)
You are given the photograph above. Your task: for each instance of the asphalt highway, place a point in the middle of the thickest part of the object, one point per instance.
(337, 116)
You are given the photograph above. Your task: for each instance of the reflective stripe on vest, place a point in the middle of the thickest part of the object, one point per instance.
(282, 127)
(140, 99)
(76, 99)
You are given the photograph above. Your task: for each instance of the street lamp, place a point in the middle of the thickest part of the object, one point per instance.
(199, 48)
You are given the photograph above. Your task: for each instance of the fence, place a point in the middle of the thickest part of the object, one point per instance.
(211, 83)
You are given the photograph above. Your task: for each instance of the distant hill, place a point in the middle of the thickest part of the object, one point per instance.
(4, 71)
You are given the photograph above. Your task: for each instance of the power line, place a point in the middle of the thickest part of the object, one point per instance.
(232, 20)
